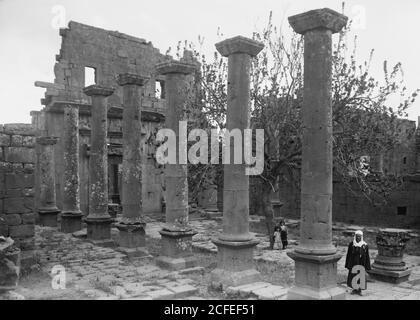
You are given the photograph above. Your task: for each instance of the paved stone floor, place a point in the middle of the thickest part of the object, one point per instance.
(94, 272)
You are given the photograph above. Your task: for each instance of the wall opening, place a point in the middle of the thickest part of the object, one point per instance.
(160, 89)
(401, 211)
(405, 160)
(90, 76)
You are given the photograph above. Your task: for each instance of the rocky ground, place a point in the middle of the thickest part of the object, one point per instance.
(93, 272)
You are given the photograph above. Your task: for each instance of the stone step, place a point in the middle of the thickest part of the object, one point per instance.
(258, 290)
(142, 291)
(270, 293)
(199, 270)
(246, 290)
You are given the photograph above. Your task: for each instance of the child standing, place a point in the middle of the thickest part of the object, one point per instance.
(283, 234)
(277, 238)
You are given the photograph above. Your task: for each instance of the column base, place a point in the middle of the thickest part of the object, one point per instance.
(176, 250)
(315, 277)
(71, 222)
(132, 239)
(98, 229)
(48, 218)
(390, 276)
(235, 264)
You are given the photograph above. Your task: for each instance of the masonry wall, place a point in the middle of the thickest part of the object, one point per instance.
(402, 209)
(17, 180)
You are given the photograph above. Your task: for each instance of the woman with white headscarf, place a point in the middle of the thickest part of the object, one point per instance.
(357, 255)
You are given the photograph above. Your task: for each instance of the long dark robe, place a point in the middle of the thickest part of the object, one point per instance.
(356, 256)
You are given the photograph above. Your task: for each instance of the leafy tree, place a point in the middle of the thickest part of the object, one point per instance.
(365, 121)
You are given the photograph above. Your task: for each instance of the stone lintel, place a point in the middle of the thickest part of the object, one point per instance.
(131, 78)
(175, 67)
(318, 19)
(239, 44)
(49, 85)
(96, 90)
(45, 141)
(114, 112)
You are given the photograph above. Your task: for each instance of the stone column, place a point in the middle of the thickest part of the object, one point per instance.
(316, 257)
(176, 233)
(47, 209)
(98, 220)
(38, 121)
(235, 244)
(389, 265)
(132, 225)
(71, 219)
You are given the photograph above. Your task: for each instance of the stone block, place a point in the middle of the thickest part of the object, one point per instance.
(26, 244)
(223, 278)
(28, 192)
(16, 140)
(194, 270)
(176, 263)
(270, 293)
(4, 166)
(9, 266)
(19, 128)
(16, 205)
(4, 140)
(245, 290)
(28, 218)
(28, 141)
(19, 155)
(4, 228)
(13, 219)
(13, 193)
(22, 231)
(162, 294)
(29, 168)
(182, 291)
(16, 167)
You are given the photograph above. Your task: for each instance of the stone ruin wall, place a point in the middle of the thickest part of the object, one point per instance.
(110, 53)
(17, 180)
(403, 207)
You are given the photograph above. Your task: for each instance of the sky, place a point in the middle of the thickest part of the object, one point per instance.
(29, 35)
